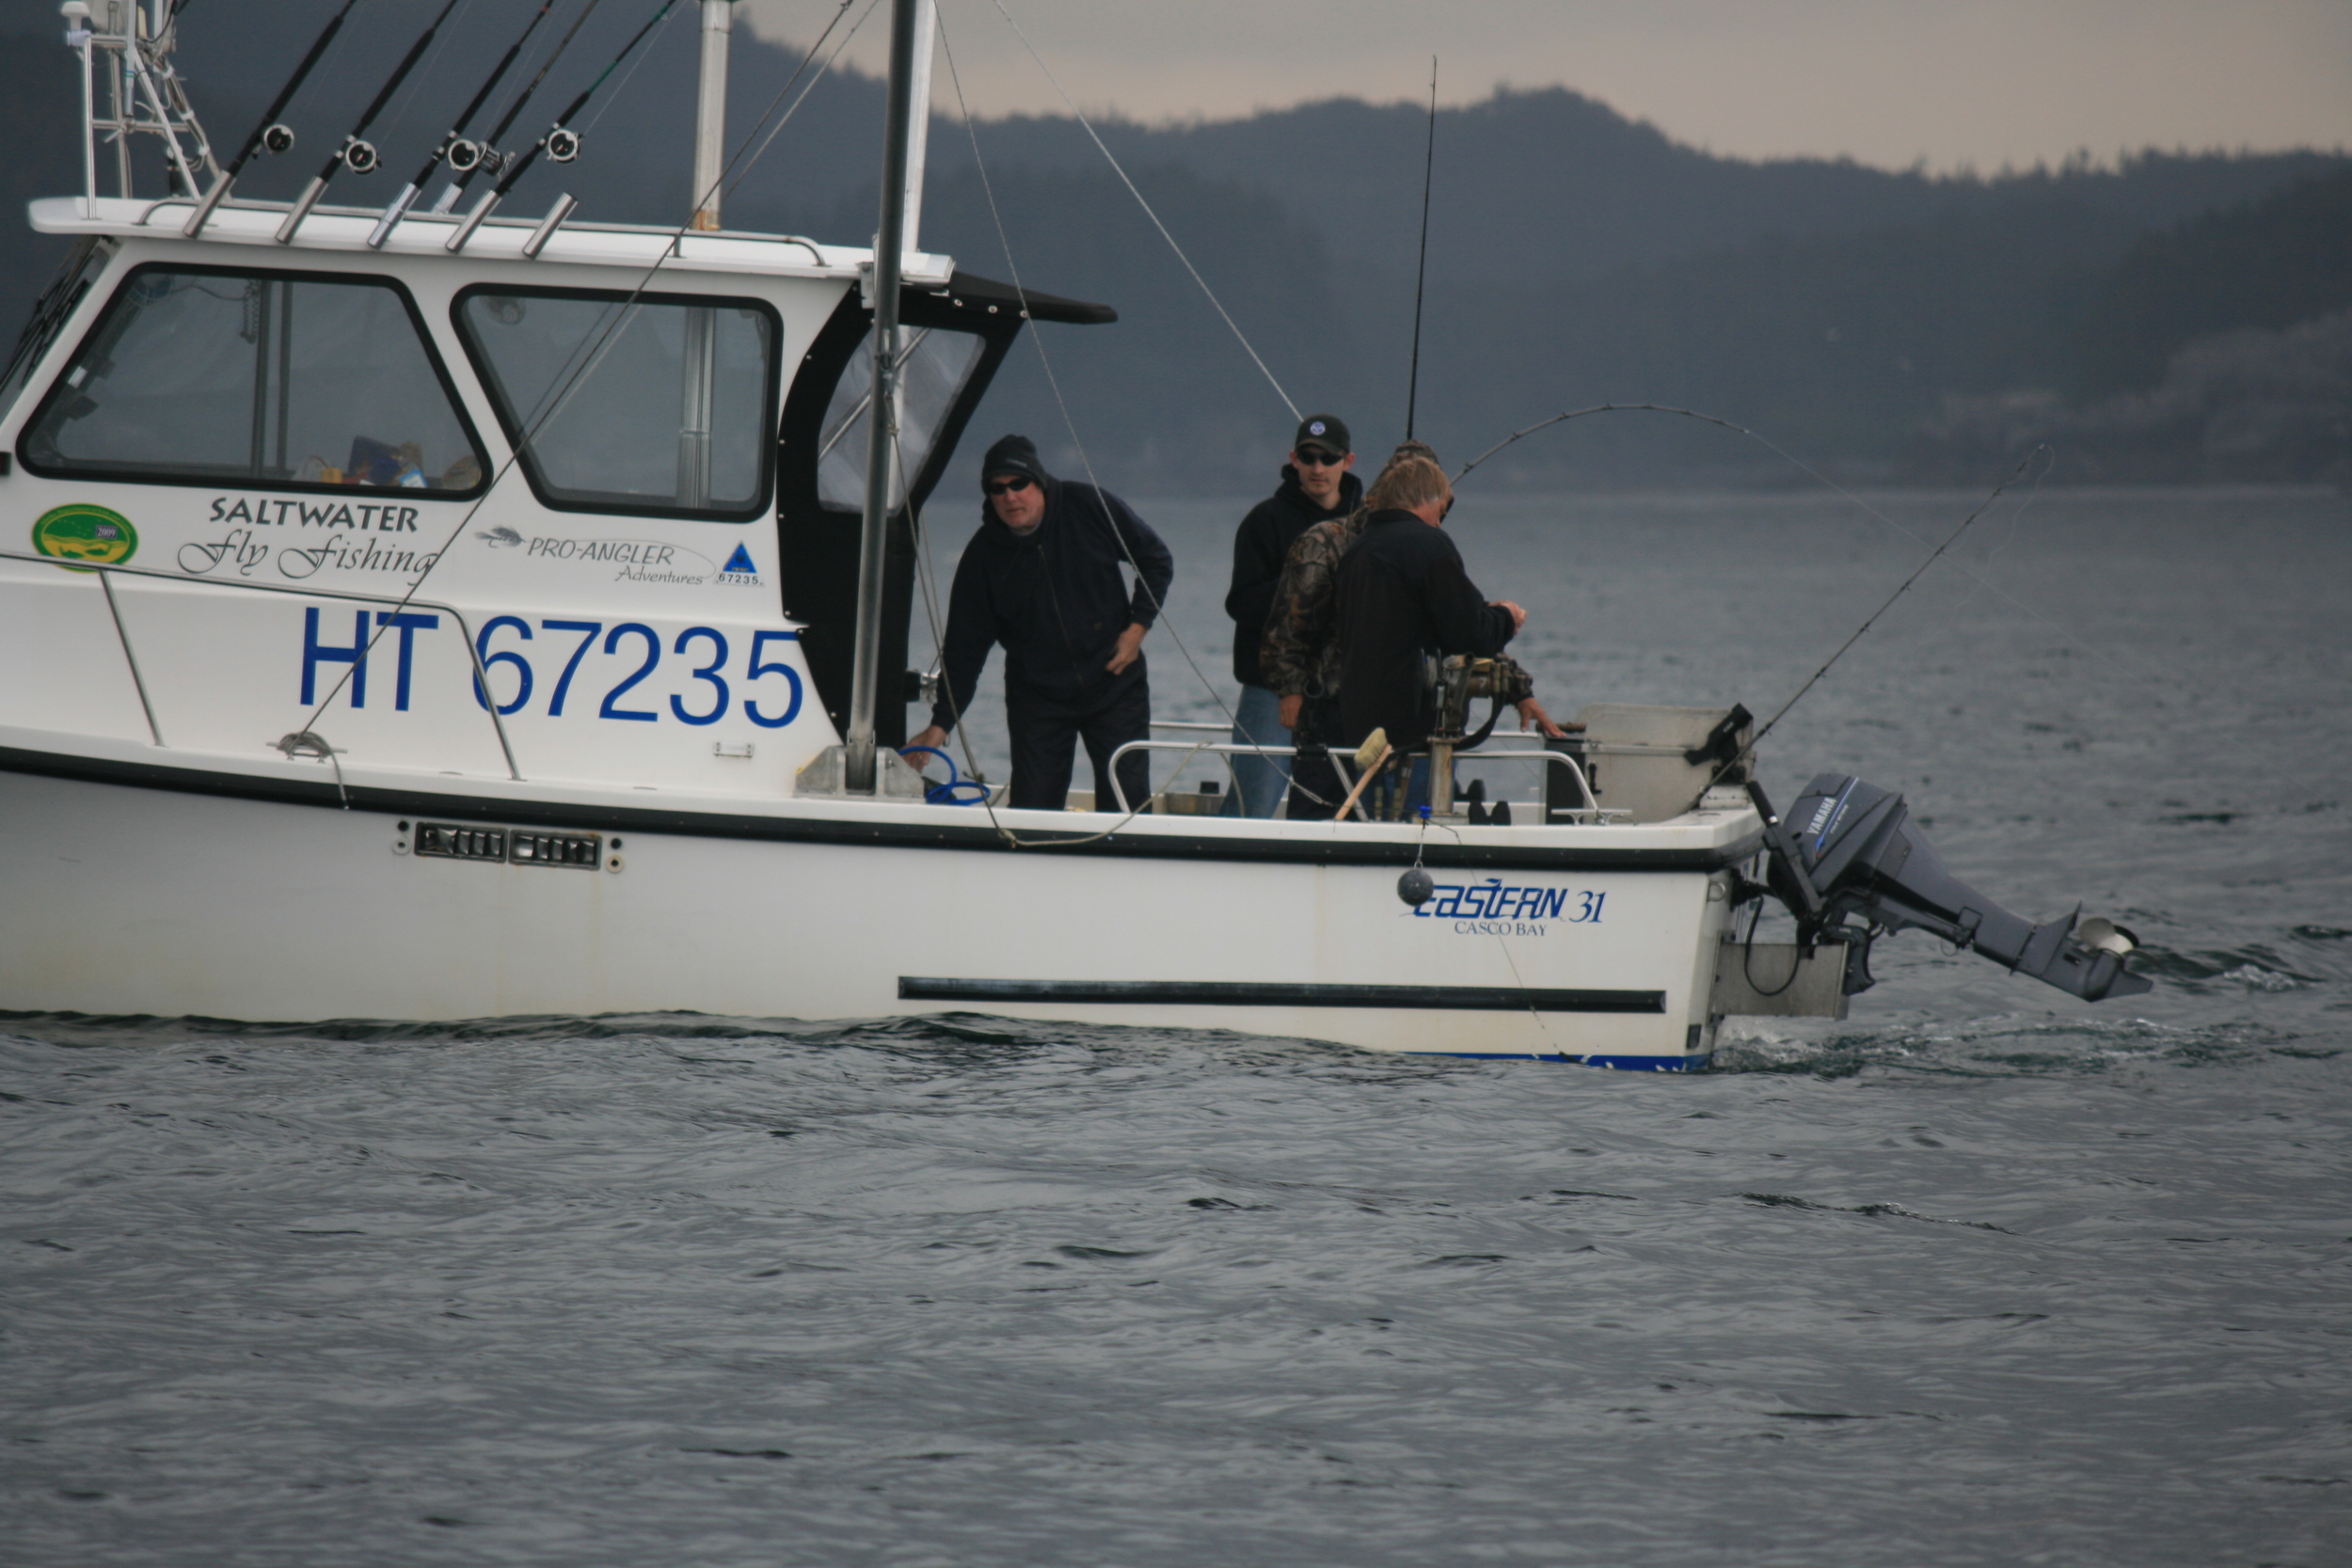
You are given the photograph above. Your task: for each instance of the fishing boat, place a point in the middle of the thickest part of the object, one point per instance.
(427, 613)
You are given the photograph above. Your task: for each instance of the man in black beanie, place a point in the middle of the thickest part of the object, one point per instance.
(1042, 577)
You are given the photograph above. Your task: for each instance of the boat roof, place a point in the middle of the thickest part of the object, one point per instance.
(425, 236)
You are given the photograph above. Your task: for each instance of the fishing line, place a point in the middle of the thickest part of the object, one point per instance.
(662, 26)
(318, 51)
(1146, 206)
(1900, 589)
(448, 198)
(408, 97)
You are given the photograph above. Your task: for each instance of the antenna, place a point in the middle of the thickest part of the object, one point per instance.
(1421, 274)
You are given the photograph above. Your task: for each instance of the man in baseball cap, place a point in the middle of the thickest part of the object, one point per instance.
(1316, 487)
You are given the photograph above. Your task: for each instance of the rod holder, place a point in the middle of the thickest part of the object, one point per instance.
(311, 194)
(566, 205)
(482, 208)
(392, 214)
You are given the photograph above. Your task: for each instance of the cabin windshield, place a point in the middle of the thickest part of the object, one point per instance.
(209, 375)
(656, 405)
(50, 313)
(933, 366)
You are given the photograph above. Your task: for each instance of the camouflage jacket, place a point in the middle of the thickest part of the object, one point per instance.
(1300, 656)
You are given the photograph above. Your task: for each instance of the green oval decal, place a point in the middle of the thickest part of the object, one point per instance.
(83, 531)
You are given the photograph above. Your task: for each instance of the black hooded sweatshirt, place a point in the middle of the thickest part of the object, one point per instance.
(1052, 599)
(1260, 546)
(1402, 593)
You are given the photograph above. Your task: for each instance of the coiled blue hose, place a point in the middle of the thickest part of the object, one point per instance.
(946, 794)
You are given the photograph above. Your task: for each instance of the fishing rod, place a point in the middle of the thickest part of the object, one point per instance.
(268, 134)
(483, 156)
(1428, 165)
(356, 154)
(453, 142)
(561, 143)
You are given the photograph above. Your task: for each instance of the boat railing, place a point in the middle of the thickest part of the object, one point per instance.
(108, 571)
(1590, 812)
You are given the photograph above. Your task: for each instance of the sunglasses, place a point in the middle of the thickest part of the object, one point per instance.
(1006, 486)
(1312, 458)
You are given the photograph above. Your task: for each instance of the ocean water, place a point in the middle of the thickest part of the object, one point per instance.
(1981, 1274)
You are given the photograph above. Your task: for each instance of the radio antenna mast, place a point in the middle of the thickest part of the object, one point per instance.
(1421, 274)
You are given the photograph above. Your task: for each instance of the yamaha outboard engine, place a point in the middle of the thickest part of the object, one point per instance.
(1849, 864)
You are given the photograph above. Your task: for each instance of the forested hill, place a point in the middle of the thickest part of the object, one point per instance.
(1576, 256)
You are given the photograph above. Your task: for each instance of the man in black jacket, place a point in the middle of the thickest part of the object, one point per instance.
(1316, 486)
(1403, 594)
(1042, 577)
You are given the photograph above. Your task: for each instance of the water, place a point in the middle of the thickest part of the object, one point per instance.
(1982, 1274)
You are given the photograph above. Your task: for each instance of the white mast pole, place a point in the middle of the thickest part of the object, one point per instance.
(919, 130)
(710, 112)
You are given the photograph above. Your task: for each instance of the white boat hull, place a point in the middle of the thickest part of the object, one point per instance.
(123, 900)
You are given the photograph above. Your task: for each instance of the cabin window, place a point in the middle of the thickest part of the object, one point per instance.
(210, 376)
(659, 405)
(933, 366)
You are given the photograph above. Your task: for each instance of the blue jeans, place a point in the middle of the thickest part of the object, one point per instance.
(1380, 795)
(1259, 782)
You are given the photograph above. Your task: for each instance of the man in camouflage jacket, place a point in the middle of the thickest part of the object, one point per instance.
(1299, 656)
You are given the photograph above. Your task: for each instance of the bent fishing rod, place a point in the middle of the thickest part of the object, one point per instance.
(482, 157)
(560, 142)
(268, 133)
(356, 153)
(452, 147)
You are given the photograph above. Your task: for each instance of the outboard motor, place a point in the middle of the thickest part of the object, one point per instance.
(1849, 864)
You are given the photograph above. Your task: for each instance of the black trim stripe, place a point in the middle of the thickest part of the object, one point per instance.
(1252, 994)
(947, 827)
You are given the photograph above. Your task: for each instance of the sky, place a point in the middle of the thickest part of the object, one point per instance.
(1975, 83)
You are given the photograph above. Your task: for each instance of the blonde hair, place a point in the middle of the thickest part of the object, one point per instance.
(1407, 483)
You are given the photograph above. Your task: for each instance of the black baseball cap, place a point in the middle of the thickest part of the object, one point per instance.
(1328, 430)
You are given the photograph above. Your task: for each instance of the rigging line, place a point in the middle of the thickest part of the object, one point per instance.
(1046, 363)
(1003, 238)
(1115, 169)
(1826, 483)
(1420, 272)
(729, 190)
(594, 357)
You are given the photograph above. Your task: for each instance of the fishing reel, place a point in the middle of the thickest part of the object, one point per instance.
(463, 156)
(277, 138)
(1452, 684)
(361, 157)
(562, 145)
